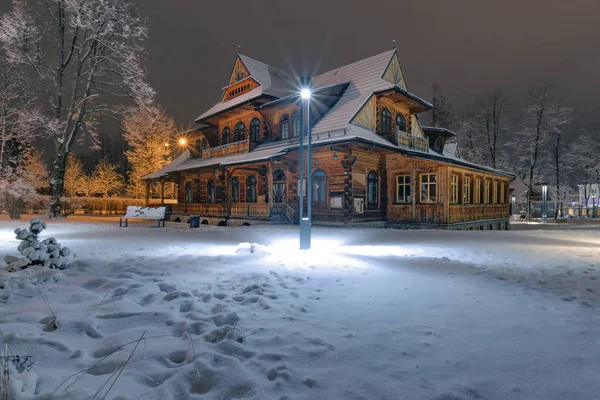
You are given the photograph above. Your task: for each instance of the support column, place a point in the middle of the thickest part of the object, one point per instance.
(162, 193)
(269, 194)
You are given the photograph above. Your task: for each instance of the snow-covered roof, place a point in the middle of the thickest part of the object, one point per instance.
(439, 131)
(450, 149)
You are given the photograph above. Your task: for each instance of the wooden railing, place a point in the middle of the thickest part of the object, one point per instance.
(227, 149)
(250, 210)
(467, 212)
(413, 142)
(200, 208)
(283, 209)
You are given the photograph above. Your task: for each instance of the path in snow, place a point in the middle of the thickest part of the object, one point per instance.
(366, 314)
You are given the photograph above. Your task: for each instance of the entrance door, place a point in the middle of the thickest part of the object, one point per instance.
(279, 186)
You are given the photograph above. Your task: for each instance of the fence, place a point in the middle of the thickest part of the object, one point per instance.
(86, 205)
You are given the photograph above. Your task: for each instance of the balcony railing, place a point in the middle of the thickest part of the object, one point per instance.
(413, 142)
(229, 149)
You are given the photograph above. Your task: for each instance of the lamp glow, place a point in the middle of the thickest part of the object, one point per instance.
(182, 141)
(305, 93)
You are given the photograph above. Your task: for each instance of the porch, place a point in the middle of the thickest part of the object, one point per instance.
(281, 212)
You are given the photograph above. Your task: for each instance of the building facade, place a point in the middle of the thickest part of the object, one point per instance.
(373, 163)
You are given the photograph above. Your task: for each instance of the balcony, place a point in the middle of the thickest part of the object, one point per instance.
(406, 140)
(229, 149)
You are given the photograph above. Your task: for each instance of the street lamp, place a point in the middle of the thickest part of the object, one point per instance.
(513, 205)
(305, 222)
(544, 203)
(182, 142)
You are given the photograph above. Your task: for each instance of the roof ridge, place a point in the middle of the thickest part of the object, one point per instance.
(268, 66)
(362, 60)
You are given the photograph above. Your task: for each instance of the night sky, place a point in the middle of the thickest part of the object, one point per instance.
(467, 46)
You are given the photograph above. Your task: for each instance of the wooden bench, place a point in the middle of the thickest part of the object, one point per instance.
(136, 212)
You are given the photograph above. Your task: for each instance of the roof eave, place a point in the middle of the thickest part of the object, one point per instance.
(205, 117)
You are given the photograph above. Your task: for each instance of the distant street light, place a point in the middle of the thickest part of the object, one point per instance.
(514, 211)
(545, 203)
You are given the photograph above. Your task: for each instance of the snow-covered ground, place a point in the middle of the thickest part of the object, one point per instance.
(365, 314)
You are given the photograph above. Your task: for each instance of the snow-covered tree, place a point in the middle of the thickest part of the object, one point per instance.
(582, 161)
(543, 116)
(148, 131)
(469, 136)
(75, 179)
(492, 117)
(441, 115)
(80, 54)
(35, 169)
(105, 180)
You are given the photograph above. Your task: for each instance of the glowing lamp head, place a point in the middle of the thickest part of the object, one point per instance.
(305, 93)
(182, 141)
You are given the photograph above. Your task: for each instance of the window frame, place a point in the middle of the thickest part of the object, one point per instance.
(467, 183)
(320, 189)
(402, 123)
(454, 189)
(428, 185)
(255, 129)
(210, 191)
(373, 184)
(502, 193)
(405, 185)
(239, 131)
(296, 124)
(235, 189)
(495, 192)
(386, 121)
(225, 136)
(284, 121)
(486, 191)
(251, 187)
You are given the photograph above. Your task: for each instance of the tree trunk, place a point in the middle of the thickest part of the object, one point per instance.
(57, 183)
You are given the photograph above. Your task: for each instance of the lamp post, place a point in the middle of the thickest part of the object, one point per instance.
(544, 203)
(305, 222)
(513, 205)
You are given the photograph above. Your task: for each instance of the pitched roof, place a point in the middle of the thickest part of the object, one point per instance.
(273, 82)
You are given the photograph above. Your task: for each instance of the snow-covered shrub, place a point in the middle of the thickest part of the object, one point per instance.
(14, 194)
(47, 252)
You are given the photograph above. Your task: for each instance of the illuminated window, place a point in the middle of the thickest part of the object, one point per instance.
(188, 192)
(386, 121)
(467, 190)
(372, 190)
(428, 188)
(251, 189)
(477, 191)
(502, 199)
(284, 126)
(454, 193)
(495, 193)
(403, 189)
(486, 192)
(318, 186)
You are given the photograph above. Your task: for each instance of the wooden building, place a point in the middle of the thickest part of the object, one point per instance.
(373, 162)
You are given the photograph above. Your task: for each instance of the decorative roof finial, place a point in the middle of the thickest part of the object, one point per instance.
(394, 44)
(239, 49)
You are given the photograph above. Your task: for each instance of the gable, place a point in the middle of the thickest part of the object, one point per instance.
(416, 126)
(393, 73)
(239, 72)
(365, 118)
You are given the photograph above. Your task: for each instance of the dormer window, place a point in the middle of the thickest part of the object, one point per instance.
(255, 130)
(401, 123)
(239, 133)
(386, 121)
(284, 126)
(295, 124)
(225, 136)
(437, 145)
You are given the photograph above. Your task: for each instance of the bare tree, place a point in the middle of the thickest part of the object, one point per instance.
(105, 179)
(492, 114)
(441, 114)
(543, 115)
(562, 117)
(79, 53)
(469, 137)
(149, 132)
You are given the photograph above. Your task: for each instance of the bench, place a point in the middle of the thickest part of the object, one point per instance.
(136, 212)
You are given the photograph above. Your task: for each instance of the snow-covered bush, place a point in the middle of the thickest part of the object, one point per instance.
(14, 194)
(47, 252)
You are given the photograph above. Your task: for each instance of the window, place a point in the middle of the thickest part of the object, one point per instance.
(251, 189)
(467, 190)
(295, 124)
(219, 195)
(235, 190)
(225, 136)
(239, 133)
(477, 191)
(204, 144)
(428, 188)
(198, 146)
(318, 186)
(403, 189)
(386, 121)
(210, 191)
(372, 190)
(188, 192)
(279, 186)
(495, 193)
(502, 199)
(454, 193)
(284, 126)
(437, 145)
(255, 130)
(401, 123)
(486, 192)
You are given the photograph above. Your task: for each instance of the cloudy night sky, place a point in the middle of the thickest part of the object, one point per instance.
(467, 46)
